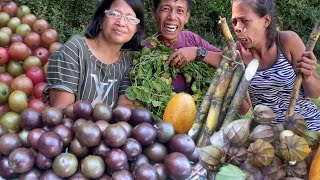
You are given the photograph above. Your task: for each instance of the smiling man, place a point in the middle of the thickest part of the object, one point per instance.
(171, 17)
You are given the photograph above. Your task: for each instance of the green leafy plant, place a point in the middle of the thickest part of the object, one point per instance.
(151, 78)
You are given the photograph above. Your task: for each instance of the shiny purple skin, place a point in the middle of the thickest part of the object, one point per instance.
(33, 137)
(34, 173)
(121, 113)
(68, 122)
(182, 143)
(161, 171)
(30, 119)
(43, 162)
(50, 144)
(155, 152)
(177, 165)
(141, 159)
(8, 143)
(88, 134)
(101, 150)
(52, 116)
(77, 149)
(82, 109)
(145, 172)
(195, 157)
(132, 148)
(65, 134)
(122, 175)
(140, 115)
(21, 160)
(5, 170)
(116, 160)
(115, 135)
(144, 133)
(50, 175)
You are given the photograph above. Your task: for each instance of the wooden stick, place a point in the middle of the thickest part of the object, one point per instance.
(314, 35)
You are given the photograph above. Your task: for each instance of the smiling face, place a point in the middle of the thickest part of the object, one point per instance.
(118, 31)
(249, 28)
(171, 16)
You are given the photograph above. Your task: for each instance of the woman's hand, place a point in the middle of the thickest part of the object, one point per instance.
(181, 57)
(307, 64)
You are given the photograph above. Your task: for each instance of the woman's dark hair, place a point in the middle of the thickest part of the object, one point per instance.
(157, 2)
(94, 27)
(262, 8)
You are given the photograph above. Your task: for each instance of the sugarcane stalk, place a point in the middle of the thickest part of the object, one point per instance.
(227, 35)
(237, 75)
(314, 35)
(241, 91)
(205, 104)
(215, 106)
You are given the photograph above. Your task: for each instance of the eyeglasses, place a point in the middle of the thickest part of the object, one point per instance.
(116, 15)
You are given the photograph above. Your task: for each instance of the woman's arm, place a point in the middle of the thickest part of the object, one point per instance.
(124, 101)
(60, 99)
(303, 62)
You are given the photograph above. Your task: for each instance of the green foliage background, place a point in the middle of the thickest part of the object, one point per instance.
(70, 17)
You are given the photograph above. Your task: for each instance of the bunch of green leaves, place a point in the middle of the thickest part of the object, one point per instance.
(151, 77)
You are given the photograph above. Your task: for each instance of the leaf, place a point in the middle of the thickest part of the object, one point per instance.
(156, 103)
(153, 42)
(230, 171)
(130, 93)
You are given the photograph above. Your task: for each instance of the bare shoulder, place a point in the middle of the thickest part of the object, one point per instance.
(288, 37)
(292, 44)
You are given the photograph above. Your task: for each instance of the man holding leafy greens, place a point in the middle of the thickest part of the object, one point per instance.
(171, 17)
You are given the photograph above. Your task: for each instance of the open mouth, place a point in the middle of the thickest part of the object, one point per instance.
(243, 40)
(171, 28)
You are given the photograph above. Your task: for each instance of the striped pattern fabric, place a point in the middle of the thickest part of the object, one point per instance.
(73, 68)
(273, 86)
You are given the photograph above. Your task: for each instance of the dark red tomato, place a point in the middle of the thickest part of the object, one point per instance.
(4, 56)
(6, 78)
(37, 105)
(36, 74)
(38, 89)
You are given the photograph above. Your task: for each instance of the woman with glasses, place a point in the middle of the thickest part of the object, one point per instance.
(96, 67)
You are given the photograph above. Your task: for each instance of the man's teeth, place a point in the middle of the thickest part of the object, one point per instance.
(172, 28)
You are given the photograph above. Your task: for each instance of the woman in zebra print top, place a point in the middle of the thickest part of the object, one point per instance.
(282, 55)
(96, 67)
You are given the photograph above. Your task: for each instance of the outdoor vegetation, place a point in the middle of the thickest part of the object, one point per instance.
(70, 17)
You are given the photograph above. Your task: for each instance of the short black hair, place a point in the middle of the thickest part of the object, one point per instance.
(157, 2)
(262, 8)
(94, 27)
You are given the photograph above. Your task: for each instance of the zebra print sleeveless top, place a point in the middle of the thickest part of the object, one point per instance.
(272, 87)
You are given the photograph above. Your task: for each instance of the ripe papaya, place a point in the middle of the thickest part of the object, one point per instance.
(180, 112)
